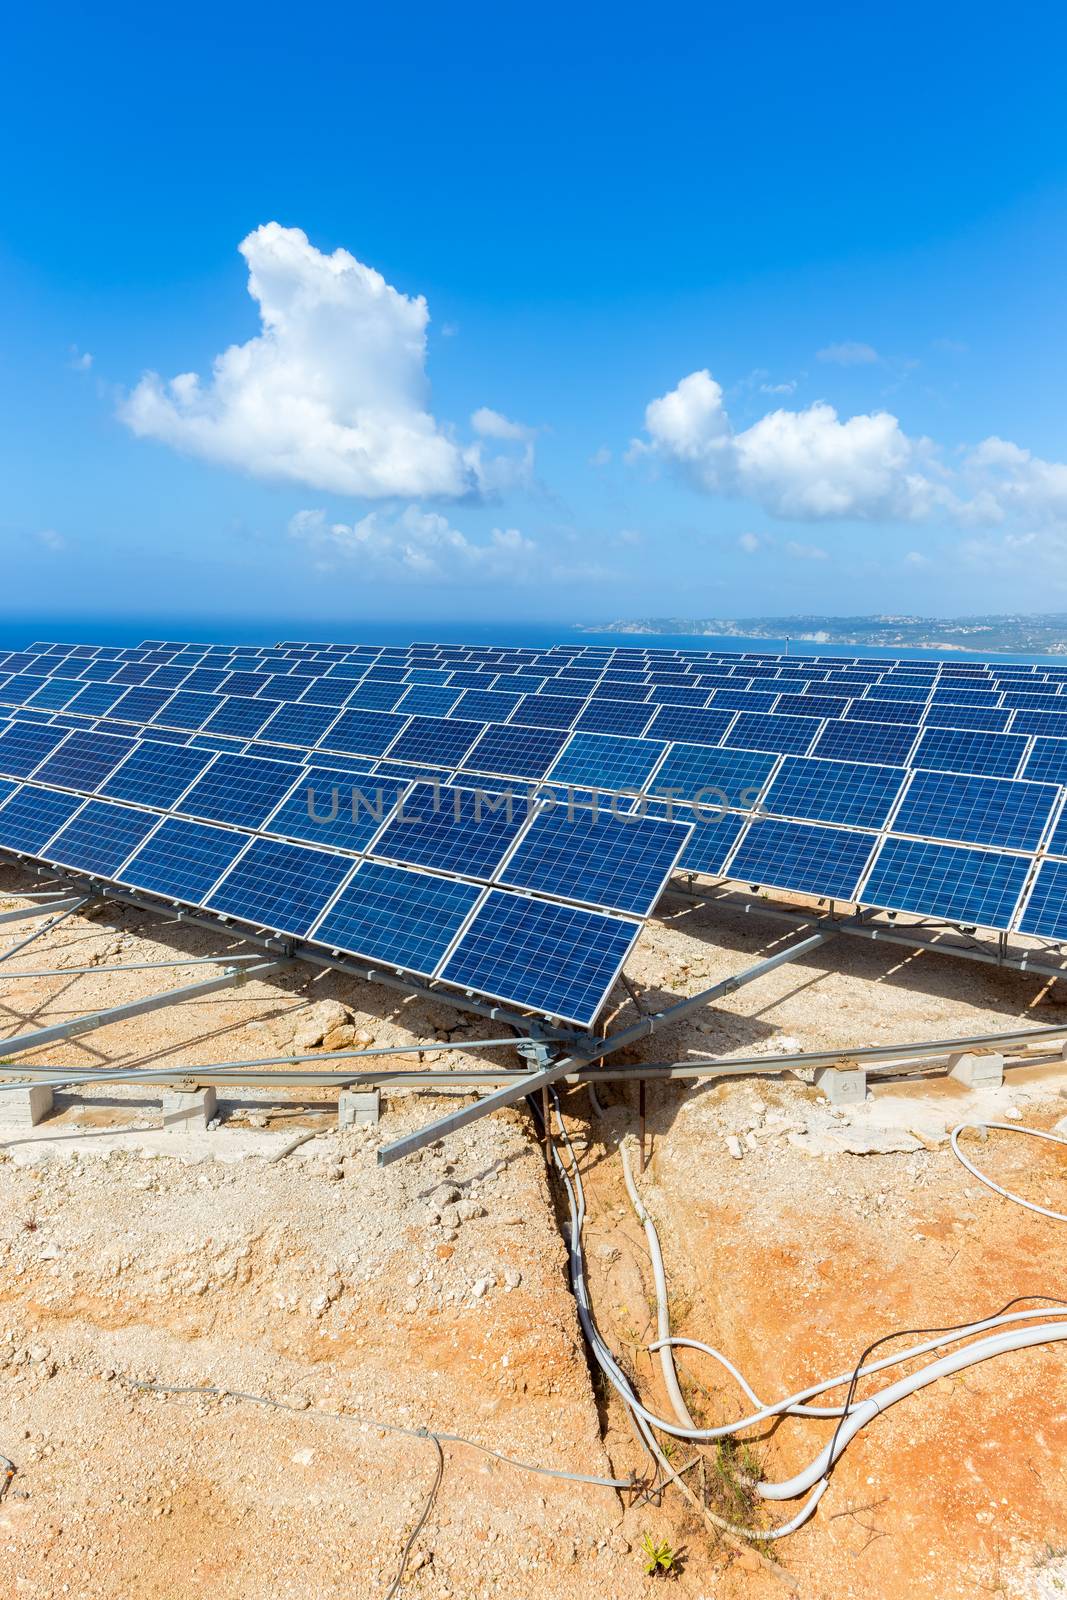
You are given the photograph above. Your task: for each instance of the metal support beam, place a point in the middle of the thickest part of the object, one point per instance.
(135, 1008)
(45, 908)
(130, 966)
(592, 1052)
(45, 927)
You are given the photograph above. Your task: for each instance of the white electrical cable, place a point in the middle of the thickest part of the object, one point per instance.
(1006, 1127)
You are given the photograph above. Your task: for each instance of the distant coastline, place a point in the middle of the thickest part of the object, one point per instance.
(1044, 633)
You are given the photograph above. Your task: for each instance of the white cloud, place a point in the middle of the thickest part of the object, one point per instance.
(806, 552)
(806, 465)
(80, 360)
(750, 543)
(415, 545)
(494, 425)
(789, 387)
(332, 392)
(849, 354)
(601, 457)
(51, 540)
(630, 536)
(916, 558)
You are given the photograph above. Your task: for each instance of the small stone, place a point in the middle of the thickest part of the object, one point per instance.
(446, 1194)
(304, 1457)
(512, 1277)
(446, 1251)
(479, 1287)
(733, 1144)
(411, 1305)
(469, 1209)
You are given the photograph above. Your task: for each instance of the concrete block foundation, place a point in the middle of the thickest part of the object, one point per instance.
(842, 1086)
(187, 1112)
(359, 1108)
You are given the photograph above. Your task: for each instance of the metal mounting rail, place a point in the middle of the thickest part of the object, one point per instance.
(595, 1051)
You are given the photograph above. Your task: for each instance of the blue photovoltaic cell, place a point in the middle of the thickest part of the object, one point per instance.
(630, 717)
(342, 810)
(613, 689)
(1047, 761)
(95, 699)
(757, 731)
(186, 710)
(56, 693)
(183, 859)
(747, 700)
(487, 705)
(24, 745)
(550, 958)
(298, 724)
(941, 880)
(281, 886)
(155, 774)
(515, 752)
(607, 761)
(171, 677)
(240, 683)
(802, 858)
(374, 696)
(326, 692)
(715, 833)
(994, 811)
(994, 755)
(1045, 912)
(84, 761)
(810, 705)
(441, 741)
(238, 716)
(139, 705)
(6, 788)
(865, 741)
(697, 727)
(429, 700)
(215, 741)
(1051, 724)
(240, 790)
(547, 711)
(873, 710)
(833, 791)
(397, 917)
(100, 837)
(720, 775)
(364, 733)
(1057, 845)
(205, 679)
(602, 859)
(452, 829)
(990, 718)
(30, 817)
(676, 694)
(18, 690)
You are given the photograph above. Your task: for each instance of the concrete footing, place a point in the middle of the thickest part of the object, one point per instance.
(842, 1086)
(187, 1112)
(25, 1106)
(359, 1108)
(977, 1069)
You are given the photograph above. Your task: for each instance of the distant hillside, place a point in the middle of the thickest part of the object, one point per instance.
(1042, 634)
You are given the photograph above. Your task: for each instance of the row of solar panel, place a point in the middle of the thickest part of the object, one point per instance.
(559, 960)
(773, 793)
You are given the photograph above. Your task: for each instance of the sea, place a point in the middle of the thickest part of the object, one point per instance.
(17, 632)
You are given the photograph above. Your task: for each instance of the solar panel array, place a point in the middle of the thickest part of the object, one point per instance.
(929, 787)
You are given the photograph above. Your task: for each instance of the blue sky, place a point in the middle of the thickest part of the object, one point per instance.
(724, 314)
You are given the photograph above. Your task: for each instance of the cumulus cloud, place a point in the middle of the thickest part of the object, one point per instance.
(807, 465)
(80, 360)
(750, 543)
(415, 545)
(849, 354)
(332, 392)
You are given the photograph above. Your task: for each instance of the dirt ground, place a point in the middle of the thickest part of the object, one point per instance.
(433, 1293)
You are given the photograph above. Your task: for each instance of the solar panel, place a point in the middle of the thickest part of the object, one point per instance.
(762, 731)
(465, 831)
(99, 838)
(487, 705)
(428, 700)
(441, 741)
(1047, 761)
(398, 917)
(873, 710)
(374, 696)
(240, 790)
(186, 710)
(628, 717)
(972, 810)
(596, 858)
(834, 791)
(238, 715)
(1045, 911)
(696, 727)
(550, 958)
(341, 810)
(515, 752)
(182, 860)
(364, 733)
(607, 761)
(29, 817)
(55, 694)
(547, 711)
(281, 886)
(95, 699)
(716, 774)
(963, 885)
(802, 858)
(155, 774)
(298, 724)
(715, 832)
(865, 741)
(324, 692)
(83, 761)
(140, 705)
(24, 746)
(994, 755)
(991, 718)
